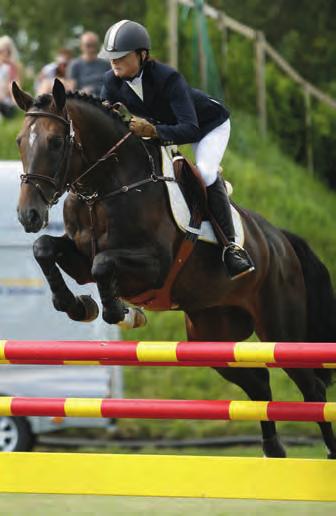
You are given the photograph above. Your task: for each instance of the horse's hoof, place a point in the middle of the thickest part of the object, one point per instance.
(139, 318)
(332, 455)
(90, 307)
(273, 447)
(134, 318)
(113, 315)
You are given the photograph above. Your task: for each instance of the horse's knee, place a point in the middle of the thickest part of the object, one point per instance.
(43, 248)
(103, 265)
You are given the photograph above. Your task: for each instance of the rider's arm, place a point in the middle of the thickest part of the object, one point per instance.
(186, 128)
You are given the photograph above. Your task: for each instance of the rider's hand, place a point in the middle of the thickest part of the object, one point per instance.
(141, 127)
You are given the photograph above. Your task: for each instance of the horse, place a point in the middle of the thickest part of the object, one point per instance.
(119, 233)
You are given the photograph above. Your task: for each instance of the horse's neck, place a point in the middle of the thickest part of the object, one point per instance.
(98, 132)
(94, 129)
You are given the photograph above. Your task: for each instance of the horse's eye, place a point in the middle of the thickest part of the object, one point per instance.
(18, 140)
(55, 143)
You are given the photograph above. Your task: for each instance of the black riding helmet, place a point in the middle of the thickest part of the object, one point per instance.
(124, 37)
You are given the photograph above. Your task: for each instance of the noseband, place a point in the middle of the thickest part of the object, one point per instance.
(35, 179)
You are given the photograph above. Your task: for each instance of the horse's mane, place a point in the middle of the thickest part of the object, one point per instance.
(43, 101)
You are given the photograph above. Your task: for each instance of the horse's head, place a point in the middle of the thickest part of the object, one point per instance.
(44, 143)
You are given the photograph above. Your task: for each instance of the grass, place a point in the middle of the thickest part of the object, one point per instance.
(313, 451)
(53, 505)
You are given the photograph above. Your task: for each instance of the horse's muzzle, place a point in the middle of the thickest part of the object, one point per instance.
(32, 220)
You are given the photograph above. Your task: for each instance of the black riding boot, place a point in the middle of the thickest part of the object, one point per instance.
(236, 259)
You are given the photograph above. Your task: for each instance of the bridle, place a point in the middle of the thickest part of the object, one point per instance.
(69, 143)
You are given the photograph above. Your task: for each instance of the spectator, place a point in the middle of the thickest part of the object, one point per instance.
(86, 72)
(49, 72)
(10, 70)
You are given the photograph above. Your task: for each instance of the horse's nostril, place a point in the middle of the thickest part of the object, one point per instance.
(33, 217)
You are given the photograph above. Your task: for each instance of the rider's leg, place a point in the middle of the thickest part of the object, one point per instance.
(208, 154)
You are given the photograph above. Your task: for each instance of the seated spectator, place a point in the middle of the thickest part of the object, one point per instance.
(86, 73)
(52, 70)
(10, 70)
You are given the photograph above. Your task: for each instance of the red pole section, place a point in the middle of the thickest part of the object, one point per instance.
(305, 351)
(69, 350)
(166, 409)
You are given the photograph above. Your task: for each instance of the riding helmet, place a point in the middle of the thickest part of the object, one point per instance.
(125, 37)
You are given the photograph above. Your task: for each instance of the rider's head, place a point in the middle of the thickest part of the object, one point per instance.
(127, 44)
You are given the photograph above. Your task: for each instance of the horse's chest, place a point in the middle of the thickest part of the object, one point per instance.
(86, 239)
(89, 234)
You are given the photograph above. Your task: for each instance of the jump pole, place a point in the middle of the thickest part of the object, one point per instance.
(194, 354)
(168, 475)
(169, 409)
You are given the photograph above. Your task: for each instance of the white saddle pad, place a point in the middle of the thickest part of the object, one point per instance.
(181, 211)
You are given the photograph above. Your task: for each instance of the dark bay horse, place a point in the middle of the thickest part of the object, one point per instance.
(124, 238)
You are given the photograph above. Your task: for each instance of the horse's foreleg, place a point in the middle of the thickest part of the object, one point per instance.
(115, 311)
(50, 251)
(221, 324)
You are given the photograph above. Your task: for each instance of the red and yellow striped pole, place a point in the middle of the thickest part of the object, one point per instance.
(169, 409)
(197, 354)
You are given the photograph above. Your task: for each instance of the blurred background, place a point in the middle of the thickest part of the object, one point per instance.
(273, 63)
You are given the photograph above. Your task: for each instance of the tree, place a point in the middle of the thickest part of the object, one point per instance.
(39, 28)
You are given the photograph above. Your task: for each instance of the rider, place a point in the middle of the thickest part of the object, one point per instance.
(169, 110)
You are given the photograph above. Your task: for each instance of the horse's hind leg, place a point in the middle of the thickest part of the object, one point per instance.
(284, 319)
(255, 382)
(313, 389)
(219, 324)
(52, 251)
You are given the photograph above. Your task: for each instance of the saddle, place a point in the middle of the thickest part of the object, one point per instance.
(192, 187)
(194, 191)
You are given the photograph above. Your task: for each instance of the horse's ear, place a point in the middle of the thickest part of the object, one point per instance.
(59, 94)
(22, 98)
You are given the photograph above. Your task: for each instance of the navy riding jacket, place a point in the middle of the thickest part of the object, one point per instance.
(180, 113)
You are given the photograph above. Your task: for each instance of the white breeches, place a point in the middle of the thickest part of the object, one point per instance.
(210, 150)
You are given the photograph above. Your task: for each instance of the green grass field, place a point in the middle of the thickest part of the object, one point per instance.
(54, 505)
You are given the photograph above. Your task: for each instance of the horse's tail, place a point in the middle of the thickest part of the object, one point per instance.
(321, 301)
